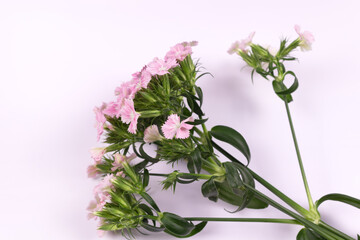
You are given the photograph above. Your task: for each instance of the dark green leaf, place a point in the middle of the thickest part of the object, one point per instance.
(176, 224)
(232, 137)
(280, 86)
(197, 159)
(232, 175)
(199, 92)
(358, 237)
(140, 166)
(306, 234)
(151, 228)
(146, 178)
(146, 156)
(198, 228)
(147, 210)
(151, 201)
(256, 203)
(197, 121)
(209, 190)
(292, 88)
(339, 197)
(191, 165)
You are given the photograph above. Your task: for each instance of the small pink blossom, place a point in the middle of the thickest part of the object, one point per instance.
(119, 161)
(100, 120)
(129, 115)
(242, 45)
(105, 185)
(97, 153)
(151, 134)
(142, 78)
(161, 67)
(112, 109)
(178, 52)
(92, 171)
(125, 91)
(173, 127)
(306, 38)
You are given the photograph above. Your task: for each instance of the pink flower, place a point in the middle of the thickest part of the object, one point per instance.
(92, 171)
(141, 79)
(151, 134)
(112, 109)
(242, 45)
(125, 91)
(306, 38)
(97, 153)
(120, 159)
(161, 67)
(173, 127)
(129, 115)
(105, 185)
(100, 120)
(179, 52)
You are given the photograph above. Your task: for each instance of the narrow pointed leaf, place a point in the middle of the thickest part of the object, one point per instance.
(280, 86)
(198, 228)
(146, 156)
(151, 201)
(292, 88)
(146, 178)
(152, 228)
(176, 224)
(209, 190)
(339, 197)
(232, 137)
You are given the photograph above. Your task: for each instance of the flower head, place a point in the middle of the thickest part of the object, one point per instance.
(173, 127)
(178, 52)
(306, 38)
(119, 160)
(242, 45)
(129, 115)
(97, 153)
(100, 120)
(112, 109)
(92, 171)
(151, 134)
(141, 79)
(161, 67)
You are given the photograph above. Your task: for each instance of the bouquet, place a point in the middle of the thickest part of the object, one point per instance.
(162, 106)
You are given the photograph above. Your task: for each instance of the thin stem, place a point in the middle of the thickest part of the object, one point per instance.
(266, 184)
(311, 204)
(323, 232)
(341, 234)
(200, 176)
(263, 220)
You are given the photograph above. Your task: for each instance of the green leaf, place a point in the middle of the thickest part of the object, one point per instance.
(146, 178)
(358, 237)
(151, 201)
(147, 210)
(232, 137)
(146, 156)
(197, 159)
(199, 92)
(151, 228)
(176, 225)
(306, 234)
(256, 203)
(232, 175)
(197, 121)
(339, 197)
(292, 88)
(280, 86)
(209, 190)
(198, 228)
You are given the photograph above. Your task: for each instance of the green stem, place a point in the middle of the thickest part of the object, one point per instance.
(266, 184)
(200, 176)
(311, 203)
(323, 232)
(334, 230)
(263, 220)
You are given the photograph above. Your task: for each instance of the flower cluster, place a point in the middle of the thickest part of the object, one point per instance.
(123, 106)
(151, 101)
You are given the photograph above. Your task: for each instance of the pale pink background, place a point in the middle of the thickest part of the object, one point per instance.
(58, 59)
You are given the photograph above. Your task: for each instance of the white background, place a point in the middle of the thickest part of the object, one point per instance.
(59, 59)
